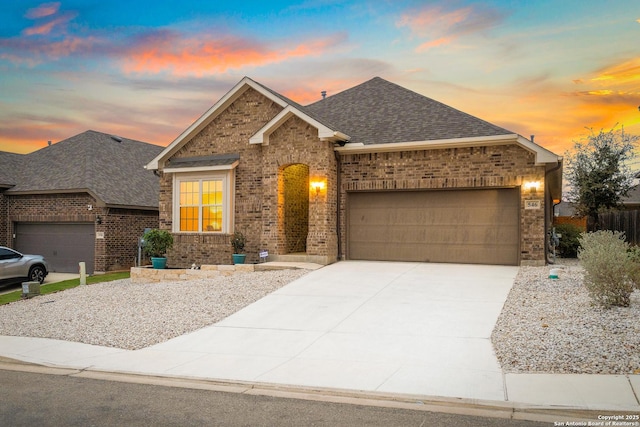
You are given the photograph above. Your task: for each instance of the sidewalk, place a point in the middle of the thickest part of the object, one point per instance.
(363, 328)
(535, 391)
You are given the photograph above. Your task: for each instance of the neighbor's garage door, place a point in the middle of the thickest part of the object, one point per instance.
(62, 245)
(459, 226)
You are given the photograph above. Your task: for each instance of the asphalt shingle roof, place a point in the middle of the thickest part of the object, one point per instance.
(9, 168)
(378, 112)
(112, 168)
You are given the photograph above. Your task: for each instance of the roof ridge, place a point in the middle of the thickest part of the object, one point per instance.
(274, 92)
(379, 111)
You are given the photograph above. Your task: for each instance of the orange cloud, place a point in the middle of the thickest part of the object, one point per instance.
(608, 97)
(166, 51)
(24, 133)
(620, 74)
(434, 43)
(45, 9)
(443, 27)
(27, 134)
(309, 93)
(422, 22)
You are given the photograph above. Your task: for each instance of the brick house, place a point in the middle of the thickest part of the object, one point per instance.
(87, 198)
(376, 172)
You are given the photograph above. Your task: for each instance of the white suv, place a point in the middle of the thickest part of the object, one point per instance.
(16, 267)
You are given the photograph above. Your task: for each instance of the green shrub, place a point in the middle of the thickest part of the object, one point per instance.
(569, 244)
(608, 268)
(157, 242)
(238, 241)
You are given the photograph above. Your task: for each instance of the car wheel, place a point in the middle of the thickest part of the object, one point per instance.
(36, 274)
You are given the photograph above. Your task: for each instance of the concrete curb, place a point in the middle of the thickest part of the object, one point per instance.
(457, 406)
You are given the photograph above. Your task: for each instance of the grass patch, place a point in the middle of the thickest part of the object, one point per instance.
(64, 285)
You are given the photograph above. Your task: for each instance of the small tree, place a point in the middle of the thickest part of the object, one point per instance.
(597, 172)
(157, 242)
(238, 241)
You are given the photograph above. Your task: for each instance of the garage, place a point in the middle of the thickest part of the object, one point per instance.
(63, 245)
(479, 226)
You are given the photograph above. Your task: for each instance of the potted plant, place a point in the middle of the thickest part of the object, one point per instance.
(238, 241)
(156, 244)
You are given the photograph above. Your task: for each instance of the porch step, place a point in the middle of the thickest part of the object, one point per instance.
(282, 265)
(299, 257)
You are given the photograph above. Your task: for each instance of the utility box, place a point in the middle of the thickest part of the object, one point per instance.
(30, 289)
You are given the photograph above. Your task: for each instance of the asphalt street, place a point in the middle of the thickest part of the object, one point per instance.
(61, 400)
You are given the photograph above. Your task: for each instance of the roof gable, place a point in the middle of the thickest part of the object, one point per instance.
(324, 132)
(108, 167)
(213, 112)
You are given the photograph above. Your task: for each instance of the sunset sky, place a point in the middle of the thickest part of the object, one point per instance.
(147, 69)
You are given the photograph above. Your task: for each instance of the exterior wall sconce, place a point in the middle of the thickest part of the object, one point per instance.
(318, 186)
(532, 186)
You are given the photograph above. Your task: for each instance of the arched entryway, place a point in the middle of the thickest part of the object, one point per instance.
(295, 203)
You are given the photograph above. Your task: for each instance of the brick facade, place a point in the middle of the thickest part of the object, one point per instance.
(228, 133)
(272, 177)
(5, 236)
(260, 188)
(121, 227)
(500, 166)
(296, 142)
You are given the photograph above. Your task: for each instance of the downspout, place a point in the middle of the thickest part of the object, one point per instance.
(546, 214)
(338, 197)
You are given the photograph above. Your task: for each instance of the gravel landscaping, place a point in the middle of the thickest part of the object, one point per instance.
(550, 326)
(131, 316)
(546, 326)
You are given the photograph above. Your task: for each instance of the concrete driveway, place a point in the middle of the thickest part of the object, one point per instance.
(408, 328)
(389, 327)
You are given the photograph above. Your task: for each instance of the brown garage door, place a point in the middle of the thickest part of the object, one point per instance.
(459, 226)
(62, 245)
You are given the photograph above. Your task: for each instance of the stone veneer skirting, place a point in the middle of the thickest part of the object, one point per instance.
(151, 275)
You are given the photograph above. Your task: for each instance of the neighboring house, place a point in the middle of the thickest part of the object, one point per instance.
(87, 198)
(376, 172)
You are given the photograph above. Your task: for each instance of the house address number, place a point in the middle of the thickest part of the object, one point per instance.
(532, 204)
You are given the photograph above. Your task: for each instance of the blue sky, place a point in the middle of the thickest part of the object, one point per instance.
(147, 69)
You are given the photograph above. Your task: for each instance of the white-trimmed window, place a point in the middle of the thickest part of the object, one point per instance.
(202, 202)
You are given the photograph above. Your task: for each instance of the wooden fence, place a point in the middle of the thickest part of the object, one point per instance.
(627, 221)
(580, 222)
